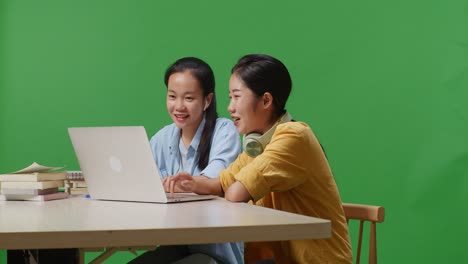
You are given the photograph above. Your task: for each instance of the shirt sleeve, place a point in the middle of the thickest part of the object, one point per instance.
(282, 166)
(227, 176)
(225, 147)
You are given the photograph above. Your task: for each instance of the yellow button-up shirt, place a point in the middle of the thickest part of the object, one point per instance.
(293, 175)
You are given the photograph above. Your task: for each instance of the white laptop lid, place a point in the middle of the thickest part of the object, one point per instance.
(117, 164)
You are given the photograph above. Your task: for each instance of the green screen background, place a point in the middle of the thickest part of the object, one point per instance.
(382, 83)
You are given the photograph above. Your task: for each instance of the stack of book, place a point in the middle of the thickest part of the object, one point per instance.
(33, 183)
(75, 184)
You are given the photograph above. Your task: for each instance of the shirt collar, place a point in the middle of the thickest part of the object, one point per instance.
(196, 139)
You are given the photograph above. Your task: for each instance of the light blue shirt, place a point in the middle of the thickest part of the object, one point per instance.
(225, 147)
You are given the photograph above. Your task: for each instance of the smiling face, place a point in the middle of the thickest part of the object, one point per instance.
(247, 110)
(185, 101)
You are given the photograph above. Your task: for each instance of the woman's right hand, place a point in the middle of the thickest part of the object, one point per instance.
(181, 182)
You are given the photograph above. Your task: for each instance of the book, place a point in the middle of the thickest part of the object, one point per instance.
(35, 167)
(25, 197)
(29, 191)
(32, 185)
(35, 172)
(75, 175)
(33, 176)
(78, 191)
(78, 184)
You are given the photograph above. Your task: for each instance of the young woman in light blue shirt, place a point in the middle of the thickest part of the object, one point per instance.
(197, 142)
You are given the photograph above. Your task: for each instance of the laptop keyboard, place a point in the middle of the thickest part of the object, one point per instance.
(178, 195)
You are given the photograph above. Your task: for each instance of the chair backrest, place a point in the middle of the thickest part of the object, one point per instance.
(363, 213)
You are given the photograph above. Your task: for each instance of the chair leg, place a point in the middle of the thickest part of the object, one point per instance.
(105, 255)
(358, 255)
(81, 256)
(373, 244)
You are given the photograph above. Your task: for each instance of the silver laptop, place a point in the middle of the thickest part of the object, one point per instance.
(117, 164)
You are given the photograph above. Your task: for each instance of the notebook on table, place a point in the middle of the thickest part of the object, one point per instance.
(117, 164)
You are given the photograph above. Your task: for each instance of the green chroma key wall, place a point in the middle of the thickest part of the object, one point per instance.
(384, 84)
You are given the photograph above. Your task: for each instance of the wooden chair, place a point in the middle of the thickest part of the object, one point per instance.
(363, 213)
(257, 251)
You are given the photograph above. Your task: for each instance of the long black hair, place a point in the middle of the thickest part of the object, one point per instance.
(201, 71)
(263, 73)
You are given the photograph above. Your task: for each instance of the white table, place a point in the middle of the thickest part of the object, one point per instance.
(85, 223)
